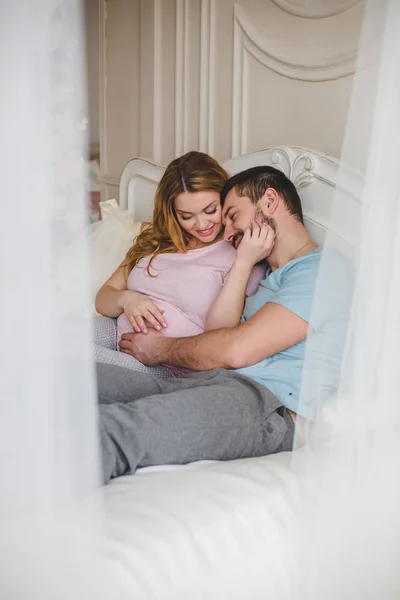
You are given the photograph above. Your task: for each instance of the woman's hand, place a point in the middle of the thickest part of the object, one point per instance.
(256, 244)
(140, 310)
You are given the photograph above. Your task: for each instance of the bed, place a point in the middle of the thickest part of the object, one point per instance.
(210, 529)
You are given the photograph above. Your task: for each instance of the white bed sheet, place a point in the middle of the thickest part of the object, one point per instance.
(207, 530)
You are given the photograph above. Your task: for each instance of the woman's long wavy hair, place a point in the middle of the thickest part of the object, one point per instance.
(192, 172)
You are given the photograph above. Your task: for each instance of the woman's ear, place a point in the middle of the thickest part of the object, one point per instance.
(269, 202)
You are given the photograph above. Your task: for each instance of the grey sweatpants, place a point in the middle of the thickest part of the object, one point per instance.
(214, 415)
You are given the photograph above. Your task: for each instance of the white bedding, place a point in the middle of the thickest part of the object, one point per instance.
(206, 530)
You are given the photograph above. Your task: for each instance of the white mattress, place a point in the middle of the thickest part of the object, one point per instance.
(206, 530)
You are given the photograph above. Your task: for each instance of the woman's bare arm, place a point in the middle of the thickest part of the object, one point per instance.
(227, 309)
(108, 298)
(114, 298)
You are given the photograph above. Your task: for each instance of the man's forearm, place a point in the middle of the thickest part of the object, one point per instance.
(211, 350)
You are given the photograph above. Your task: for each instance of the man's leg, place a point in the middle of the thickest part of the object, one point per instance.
(117, 384)
(219, 415)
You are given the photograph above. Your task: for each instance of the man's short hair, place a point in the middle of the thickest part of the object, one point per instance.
(255, 181)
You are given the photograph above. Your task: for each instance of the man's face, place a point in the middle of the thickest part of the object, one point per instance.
(238, 214)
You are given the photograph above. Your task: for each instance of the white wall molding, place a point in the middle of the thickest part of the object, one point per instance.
(222, 77)
(315, 9)
(181, 76)
(157, 81)
(109, 180)
(319, 69)
(248, 42)
(103, 96)
(207, 75)
(109, 188)
(237, 89)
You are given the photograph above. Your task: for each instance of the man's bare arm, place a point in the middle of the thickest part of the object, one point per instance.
(204, 352)
(272, 329)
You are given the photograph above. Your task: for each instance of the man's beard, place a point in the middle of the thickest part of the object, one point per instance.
(236, 239)
(259, 219)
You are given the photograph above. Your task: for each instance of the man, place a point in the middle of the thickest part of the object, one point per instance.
(245, 399)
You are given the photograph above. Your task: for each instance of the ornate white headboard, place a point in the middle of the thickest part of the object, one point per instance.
(314, 174)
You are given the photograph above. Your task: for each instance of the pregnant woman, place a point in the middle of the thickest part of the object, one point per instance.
(176, 267)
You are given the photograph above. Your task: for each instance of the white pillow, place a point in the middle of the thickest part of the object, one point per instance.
(109, 241)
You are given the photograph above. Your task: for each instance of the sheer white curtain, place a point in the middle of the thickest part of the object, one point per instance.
(348, 541)
(346, 544)
(49, 464)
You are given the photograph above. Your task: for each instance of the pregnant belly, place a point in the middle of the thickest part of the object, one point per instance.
(178, 323)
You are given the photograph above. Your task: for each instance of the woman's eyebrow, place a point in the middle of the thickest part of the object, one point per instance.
(179, 210)
(208, 206)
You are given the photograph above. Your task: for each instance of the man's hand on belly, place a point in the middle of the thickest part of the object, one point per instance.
(149, 349)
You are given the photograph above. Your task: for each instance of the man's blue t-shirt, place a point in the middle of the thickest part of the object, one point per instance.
(293, 286)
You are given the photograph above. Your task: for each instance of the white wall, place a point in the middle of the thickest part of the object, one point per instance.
(92, 68)
(224, 77)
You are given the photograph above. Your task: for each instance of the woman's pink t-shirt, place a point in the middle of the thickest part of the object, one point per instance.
(185, 286)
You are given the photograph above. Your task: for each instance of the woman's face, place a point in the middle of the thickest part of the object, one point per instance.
(199, 214)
